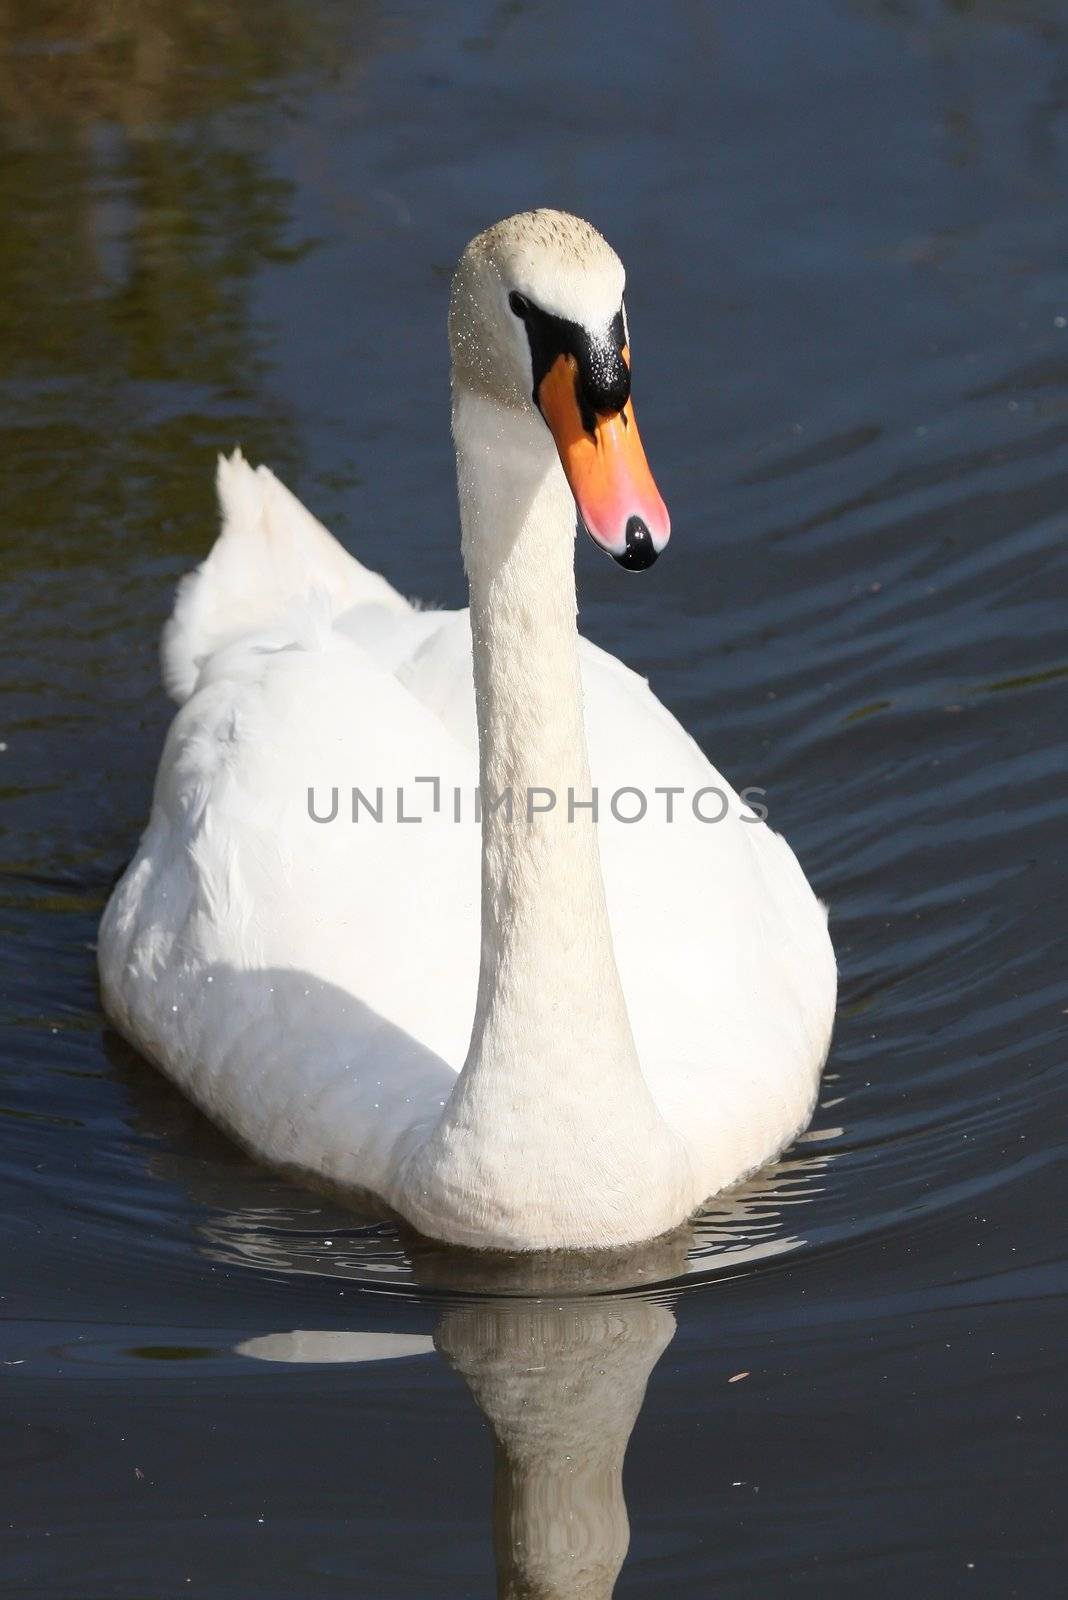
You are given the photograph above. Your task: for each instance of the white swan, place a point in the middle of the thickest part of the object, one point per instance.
(652, 1001)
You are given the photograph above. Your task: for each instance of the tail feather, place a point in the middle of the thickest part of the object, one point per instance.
(270, 551)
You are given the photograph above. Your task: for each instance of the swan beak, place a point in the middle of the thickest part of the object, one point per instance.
(604, 463)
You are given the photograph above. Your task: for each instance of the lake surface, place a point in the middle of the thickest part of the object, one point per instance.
(845, 231)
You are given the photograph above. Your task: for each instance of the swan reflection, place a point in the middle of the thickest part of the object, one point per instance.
(560, 1384)
(561, 1388)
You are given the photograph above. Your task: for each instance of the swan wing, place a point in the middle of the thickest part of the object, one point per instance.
(270, 550)
(310, 983)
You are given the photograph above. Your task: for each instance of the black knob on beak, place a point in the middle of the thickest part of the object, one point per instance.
(641, 552)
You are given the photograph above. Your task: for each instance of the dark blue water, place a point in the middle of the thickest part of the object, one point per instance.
(844, 228)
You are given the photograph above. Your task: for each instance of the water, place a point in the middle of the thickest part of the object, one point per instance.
(844, 228)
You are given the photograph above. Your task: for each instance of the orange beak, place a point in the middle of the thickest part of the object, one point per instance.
(605, 466)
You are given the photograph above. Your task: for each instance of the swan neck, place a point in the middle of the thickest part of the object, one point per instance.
(550, 1137)
(546, 939)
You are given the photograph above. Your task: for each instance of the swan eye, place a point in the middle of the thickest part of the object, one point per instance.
(519, 304)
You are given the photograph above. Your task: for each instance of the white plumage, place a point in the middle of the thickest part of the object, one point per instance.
(312, 984)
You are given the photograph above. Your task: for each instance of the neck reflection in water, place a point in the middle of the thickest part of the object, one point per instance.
(560, 1384)
(561, 1388)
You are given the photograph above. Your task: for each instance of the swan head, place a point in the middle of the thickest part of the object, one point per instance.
(538, 327)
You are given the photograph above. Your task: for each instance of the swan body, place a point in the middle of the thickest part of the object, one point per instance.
(537, 1030)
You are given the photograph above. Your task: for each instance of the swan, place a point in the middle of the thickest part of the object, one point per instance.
(524, 1018)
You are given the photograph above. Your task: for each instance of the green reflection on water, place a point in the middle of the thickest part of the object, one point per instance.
(869, 710)
(1026, 680)
(171, 1352)
(137, 202)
